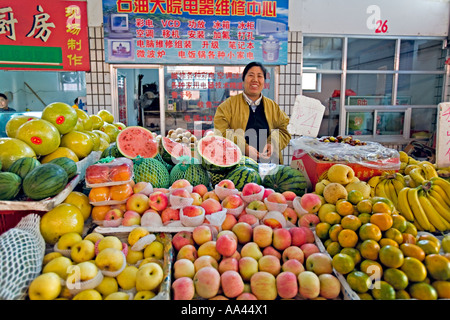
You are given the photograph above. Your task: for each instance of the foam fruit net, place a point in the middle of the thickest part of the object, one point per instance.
(22, 250)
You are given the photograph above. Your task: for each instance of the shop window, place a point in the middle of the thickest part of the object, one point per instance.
(370, 54)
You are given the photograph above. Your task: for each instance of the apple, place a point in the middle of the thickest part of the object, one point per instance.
(311, 202)
(170, 214)
(197, 198)
(88, 294)
(180, 183)
(86, 270)
(228, 263)
(192, 211)
(243, 231)
(151, 218)
(263, 285)
(83, 250)
(143, 187)
(246, 296)
(182, 238)
(309, 284)
(110, 259)
(281, 239)
(188, 251)
(298, 236)
(330, 286)
(274, 219)
(226, 183)
(289, 195)
(46, 286)
(290, 215)
(271, 251)
(154, 250)
(269, 263)
(309, 235)
(205, 261)
(226, 245)
(308, 249)
(231, 283)
(209, 249)
(211, 205)
(251, 188)
(309, 220)
(287, 286)
(58, 265)
(319, 263)
(293, 265)
(267, 191)
(257, 205)
(207, 282)
(183, 268)
(232, 201)
(127, 278)
(109, 242)
(248, 266)
(119, 295)
(276, 197)
(133, 256)
(201, 189)
(158, 201)
(262, 235)
(138, 202)
(183, 289)
(227, 232)
(149, 276)
(131, 218)
(68, 240)
(249, 218)
(251, 249)
(144, 295)
(114, 217)
(202, 234)
(229, 222)
(340, 173)
(293, 252)
(210, 195)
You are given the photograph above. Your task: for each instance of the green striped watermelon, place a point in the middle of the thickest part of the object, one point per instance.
(22, 166)
(242, 175)
(190, 169)
(284, 178)
(215, 178)
(218, 154)
(67, 164)
(46, 180)
(151, 170)
(10, 185)
(249, 162)
(111, 151)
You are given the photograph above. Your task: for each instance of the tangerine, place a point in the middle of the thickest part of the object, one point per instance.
(343, 263)
(429, 246)
(391, 256)
(387, 242)
(408, 238)
(334, 231)
(344, 207)
(411, 228)
(99, 194)
(442, 288)
(369, 249)
(372, 268)
(347, 238)
(438, 266)
(384, 221)
(396, 278)
(351, 222)
(322, 229)
(423, 291)
(98, 212)
(414, 269)
(369, 231)
(394, 234)
(121, 192)
(354, 253)
(324, 209)
(333, 248)
(402, 295)
(383, 291)
(332, 217)
(364, 206)
(399, 222)
(412, 250)
(427, 236)
(355, 196)
(364, 217)
(365, 296)
(381, 207)
(359, 281)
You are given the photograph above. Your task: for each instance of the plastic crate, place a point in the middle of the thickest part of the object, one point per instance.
(9, 219)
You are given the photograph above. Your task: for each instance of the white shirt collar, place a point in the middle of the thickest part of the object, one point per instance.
(250, 101)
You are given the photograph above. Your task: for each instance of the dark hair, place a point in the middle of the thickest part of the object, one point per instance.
(2, 95)
(251, 65)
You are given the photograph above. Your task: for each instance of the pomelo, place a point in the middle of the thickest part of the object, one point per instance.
(59, 153)
(84, 118)
(40, 135)
(14, 123)
(97, 122)
(106, 116)
(61, 115)
(111, 130)
(63, 218)
(12, 149)
(79, 142)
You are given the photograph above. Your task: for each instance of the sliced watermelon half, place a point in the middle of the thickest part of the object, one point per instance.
(172, 150)
(219, 154)
(137, 141)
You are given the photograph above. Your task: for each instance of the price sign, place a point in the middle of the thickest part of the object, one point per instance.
(443, 135)
(307, 116)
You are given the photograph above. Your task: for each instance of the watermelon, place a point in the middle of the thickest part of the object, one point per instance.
(190, 169)
(67, 164)
(216, 178)
(111, 151)
(10, 185)
(151, 170)
(242, 175)
(22, 166)
(136, 141)
(172, 150)
(46, 180)
(285, 178)
(249, 162)
(218, 154)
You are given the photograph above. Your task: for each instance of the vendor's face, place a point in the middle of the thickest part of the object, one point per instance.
(3, 103)
(254, 82)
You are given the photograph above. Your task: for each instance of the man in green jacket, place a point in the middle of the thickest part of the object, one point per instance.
(254, 122)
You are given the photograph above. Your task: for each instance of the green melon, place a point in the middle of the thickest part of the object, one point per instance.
(23, 166)
(190, 169)
(215, 178)
(172, 150)
(10, 185)
(151, 170)
(111, 151)
(249, 162)
(284, 178)
(167, 165)
(218, 154)
(242, 175)
(67, 164)
(46, 180)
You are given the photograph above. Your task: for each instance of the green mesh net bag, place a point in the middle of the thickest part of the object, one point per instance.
(22, 250)
(151, 170)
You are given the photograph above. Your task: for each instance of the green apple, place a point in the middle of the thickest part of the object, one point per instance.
(149, 276)
(110, 259)
(59, 265)
(127, 278)
(67, 240)
(46, 286)
(88, 294)
(84, 250)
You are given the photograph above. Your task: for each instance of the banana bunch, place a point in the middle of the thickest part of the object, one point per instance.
(419, 173)
(387, 185)
(427, 206)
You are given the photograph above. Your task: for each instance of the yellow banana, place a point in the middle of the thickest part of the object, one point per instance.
(416, 208)
(373, 183)
(403, 204)
(417, 176)
(428, 170)
(409, 167)
(433, 193)
(433, 216)
(443, 211)
(398, 185)
(379, 189)
(418, 226)
(399, 177)
(392, 192)
(441, 192)
(444, 184)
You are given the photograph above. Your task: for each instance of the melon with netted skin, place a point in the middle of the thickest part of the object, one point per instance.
(151, 170)
(137, 141)
(218, 154)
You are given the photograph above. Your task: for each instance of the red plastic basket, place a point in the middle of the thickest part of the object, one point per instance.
(9, 219)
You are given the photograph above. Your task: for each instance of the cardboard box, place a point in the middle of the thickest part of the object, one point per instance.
(315, 170)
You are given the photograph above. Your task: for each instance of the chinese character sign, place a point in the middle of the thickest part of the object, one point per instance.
(443, 135)
(44, 35)
(196, 31)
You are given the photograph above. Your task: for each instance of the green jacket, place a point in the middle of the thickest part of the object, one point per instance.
(232, 116)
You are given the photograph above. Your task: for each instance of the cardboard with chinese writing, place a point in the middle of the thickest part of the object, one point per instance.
(194, 31)
(443, 135)
(44, 35)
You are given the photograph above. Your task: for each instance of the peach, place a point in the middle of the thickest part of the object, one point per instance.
(188, 251)
(226, 245)
(308, 220)
(249, 218)
(289, 195)
(276, 197)
(181, 192)
(309, 235)
(272, 251)
(293, 252)
(251, 188)
(201, 189)
(182, 238)
(287, 286)
(248, 266)
(267, 192)
(180, 183)
(298, 236)
(170, 214)
(209, 249)
(290, 215)
(293, 265)
(330, 286)
(263, 285)
(158, 201)
(131, 218)
(231, 283)
(192, 211)
(251, 249)
(246, 296)
(183, 289)
(210, 195)
(202, 234)
(183, 268)
(262, 235)
(211, 205)
(228, 232)
(243, 231)
(281, 239)
(311, 202)
(269, 263)
(226, 183)
(319, 263)
(308, 249)
(205, 261)
(207, 282)
(197, 198)
(229, 222)
(228, 263)
(309, 284)
(232, 201)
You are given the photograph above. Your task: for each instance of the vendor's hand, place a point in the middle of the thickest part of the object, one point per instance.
(267, 151)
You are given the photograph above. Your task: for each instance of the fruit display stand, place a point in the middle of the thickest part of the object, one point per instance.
(82, 165)
(154, 229)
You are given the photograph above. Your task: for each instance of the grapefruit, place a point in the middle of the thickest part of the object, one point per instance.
(103, 144)
(111, 130)
(119, 125)
(79, 142)
(40, 135)
(14, 123)
(59, 153)
(12, 149)
(106, 116)
(103, 135)
(61, 115)
(62, 219)
(97, 122)
(81, 201)
(84, 118)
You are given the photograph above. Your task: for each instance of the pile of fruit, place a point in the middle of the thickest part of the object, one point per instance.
(103, 267)
(376, 246)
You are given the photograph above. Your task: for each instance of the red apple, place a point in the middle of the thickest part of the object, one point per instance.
(143, 187)
(114, 214)
(309, 220)
(267, 191)
(202, 234)
(226, 245)
(201, 189)
(309, 235)
(158, 201)
(210, 194)
(138, 202)
(211, 205)
(226, 183)
(257, 205)
(229, 222)
(228, 263)
(181, 239)
(197, 198)
(271, 251)
(192, 211)
(276, 197)
(251, 188)
(289, 195)
(311, 202)
(298, 236)
(181, 183)
(170, 214)
(281, 239)
(290, 215)
(308, 249)
(249, 218)
(181, 192)
(131, 218)
(232, 201)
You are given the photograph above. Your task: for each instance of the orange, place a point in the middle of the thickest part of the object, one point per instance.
(333, 248)
(355, 196)
(383, 220)
(369, 249)
(359, 281)
(381, 207)
(399, 222)
(332, 217)
(343, 263)
(402, 295)
(383, 291)
(410, 228)
(414, 269)
(396, 278)
(351, 222)
(394, 234)
(121, 192)
(391, 256)
(369, 231)
(412, 250)
(442, 288)
(334, 231)
(121, 172)
(347, 238)
(438, 266)
(98, 212)
(99, 194)
(387, 242)
(322, 229)
(423, 291)
(364, 206)
(344, 207)
(429, 246)
(408, 238)
(354, 253)
(364, 217)
(372, 268)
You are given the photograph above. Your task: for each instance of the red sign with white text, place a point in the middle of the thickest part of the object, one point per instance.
(44, 35)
